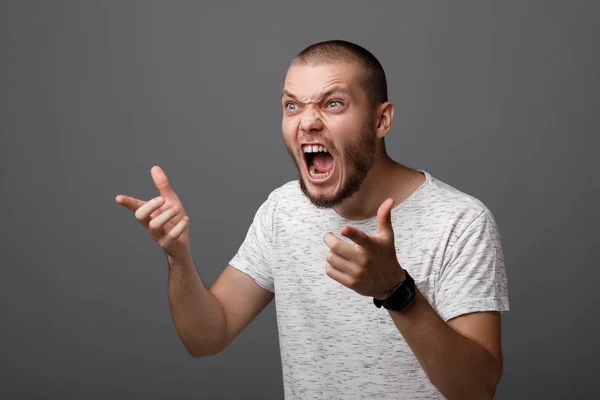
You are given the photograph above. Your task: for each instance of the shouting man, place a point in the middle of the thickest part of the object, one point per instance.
(388, 283)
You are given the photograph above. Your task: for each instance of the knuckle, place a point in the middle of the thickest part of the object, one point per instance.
(360, 274)
(153, 225)
(328, 269)
(335, 246)
(175, 232)
(154, 214)
(165, 241)
(156, 233)
(329, 257)
(363, 260)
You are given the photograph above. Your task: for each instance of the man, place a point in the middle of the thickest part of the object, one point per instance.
(356, 231)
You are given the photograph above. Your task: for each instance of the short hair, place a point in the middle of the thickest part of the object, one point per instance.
(373, 77)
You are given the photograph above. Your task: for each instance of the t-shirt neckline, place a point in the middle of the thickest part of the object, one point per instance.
(428, 180)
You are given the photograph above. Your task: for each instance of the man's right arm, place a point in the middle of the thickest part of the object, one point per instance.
(207, 320)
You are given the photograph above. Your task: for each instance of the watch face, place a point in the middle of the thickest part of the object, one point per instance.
(399, 298)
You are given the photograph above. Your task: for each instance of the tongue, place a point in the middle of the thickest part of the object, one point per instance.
(323, 162)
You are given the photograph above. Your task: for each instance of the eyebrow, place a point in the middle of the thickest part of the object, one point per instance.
(334, 89)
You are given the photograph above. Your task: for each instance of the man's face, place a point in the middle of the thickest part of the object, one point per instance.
(328, 129)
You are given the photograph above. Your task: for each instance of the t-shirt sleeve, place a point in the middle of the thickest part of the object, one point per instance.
(254, 255)
(473, 277)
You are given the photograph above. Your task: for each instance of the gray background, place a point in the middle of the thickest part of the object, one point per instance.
(499, 99)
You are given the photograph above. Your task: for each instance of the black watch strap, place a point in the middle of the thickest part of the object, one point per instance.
(399, 296)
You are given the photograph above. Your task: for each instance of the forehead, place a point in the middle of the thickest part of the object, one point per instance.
(306, 81)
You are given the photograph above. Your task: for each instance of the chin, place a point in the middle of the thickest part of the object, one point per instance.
(333, 193)
(319, 196)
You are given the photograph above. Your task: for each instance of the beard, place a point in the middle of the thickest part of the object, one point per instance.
(358, 158)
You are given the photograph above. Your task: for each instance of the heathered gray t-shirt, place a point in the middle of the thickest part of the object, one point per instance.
(334, 342)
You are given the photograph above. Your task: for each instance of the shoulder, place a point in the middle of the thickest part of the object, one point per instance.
(285, 196)
(454, 208)
(280, 203)
(448, 197)
(289, 189)
(286, 193)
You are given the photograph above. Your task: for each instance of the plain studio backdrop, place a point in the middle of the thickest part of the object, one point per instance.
(498, 99)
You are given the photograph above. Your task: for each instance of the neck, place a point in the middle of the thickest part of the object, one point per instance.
(387, 178)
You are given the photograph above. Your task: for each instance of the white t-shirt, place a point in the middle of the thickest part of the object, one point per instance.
(334, 342)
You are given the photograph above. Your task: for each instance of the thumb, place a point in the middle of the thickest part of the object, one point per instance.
(384, 218)
(161, 181)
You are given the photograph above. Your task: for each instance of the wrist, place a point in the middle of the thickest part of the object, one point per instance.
(401, 294)
(398, 278)
(180, 259)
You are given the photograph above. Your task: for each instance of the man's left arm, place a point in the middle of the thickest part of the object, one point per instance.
(463, 357)
(458, 342)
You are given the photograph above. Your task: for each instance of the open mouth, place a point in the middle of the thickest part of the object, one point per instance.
(319, 162)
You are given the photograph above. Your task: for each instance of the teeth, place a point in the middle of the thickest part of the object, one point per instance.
(316, 175)
(315, 149)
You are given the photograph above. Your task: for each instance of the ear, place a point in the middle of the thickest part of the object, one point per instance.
(385, 115)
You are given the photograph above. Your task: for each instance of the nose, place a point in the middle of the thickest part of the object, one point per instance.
(311, 122)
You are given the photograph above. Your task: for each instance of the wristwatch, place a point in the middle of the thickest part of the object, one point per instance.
(400, 295)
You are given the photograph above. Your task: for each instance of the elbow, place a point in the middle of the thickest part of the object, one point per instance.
(199, 349)
(489, 394)
(495, 374)
(482, 393)
(199, 353)
(478, 392)
(482, 387)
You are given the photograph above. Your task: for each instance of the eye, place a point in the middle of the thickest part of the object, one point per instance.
(334, 103)
(291, 106)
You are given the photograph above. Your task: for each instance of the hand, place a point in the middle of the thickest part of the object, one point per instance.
(163, 217)
(370, 267)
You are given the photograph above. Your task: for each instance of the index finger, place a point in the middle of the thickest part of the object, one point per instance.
(128, 202)
(359, 237)
(339, 246)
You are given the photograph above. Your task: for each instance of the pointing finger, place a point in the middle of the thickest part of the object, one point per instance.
(131, 203)
(340, 247)
(359, 237)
